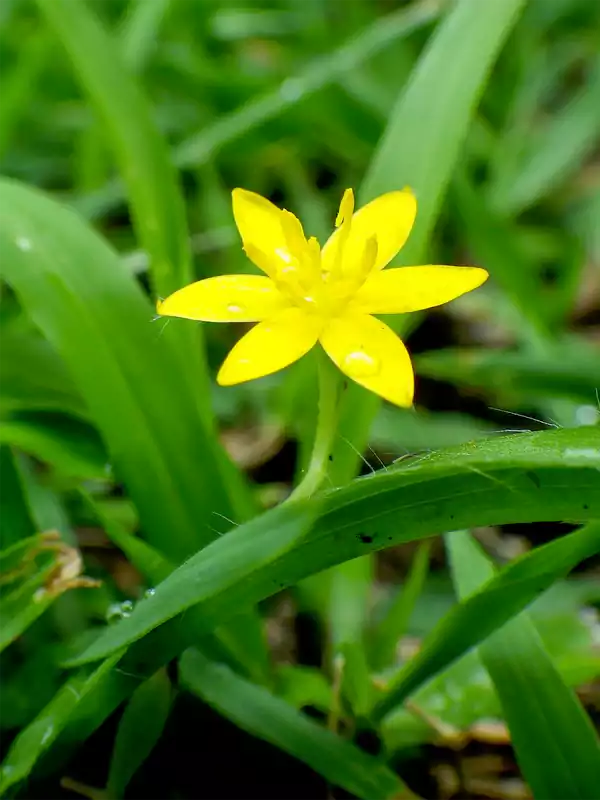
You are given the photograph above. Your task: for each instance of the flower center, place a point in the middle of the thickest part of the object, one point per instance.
(300, 274)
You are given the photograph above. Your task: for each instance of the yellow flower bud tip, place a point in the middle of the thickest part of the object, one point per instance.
(306, 294)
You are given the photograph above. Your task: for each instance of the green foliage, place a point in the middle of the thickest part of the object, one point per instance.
(144, 541)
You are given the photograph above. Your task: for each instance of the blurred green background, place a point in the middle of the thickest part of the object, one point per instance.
(291, 99)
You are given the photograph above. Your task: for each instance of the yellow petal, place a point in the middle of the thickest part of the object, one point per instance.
(388, 218)
(226, 298)
(270, 346)
(370, 353)
(396, 291)
(260, 225)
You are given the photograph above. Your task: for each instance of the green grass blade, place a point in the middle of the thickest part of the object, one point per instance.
(317, 75)
(156, 202)
(69, 446)
(555, 743)
(140, 30)
(34, 378)
(37, 737)
(240, 641)
(20, 84)
(96, 317)
(551, 155)
(509, 479)
(571, 371)
(16, 522)
(419, 148)
(259, 712)
(511, 590)
(393, 626)
(494, 243)
(139, 730)
(347, 615)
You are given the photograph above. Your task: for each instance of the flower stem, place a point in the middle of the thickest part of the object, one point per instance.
(329, 386)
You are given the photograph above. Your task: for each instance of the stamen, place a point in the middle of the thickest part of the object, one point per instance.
(346, 208)
(261, 259)
(343, 223)
(294, 235)
(367, 260)
(314, 258)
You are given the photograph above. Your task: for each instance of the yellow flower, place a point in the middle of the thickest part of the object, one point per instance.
(309, 295)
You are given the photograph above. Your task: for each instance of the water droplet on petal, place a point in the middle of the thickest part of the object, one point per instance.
(233, 308)
(359, 364)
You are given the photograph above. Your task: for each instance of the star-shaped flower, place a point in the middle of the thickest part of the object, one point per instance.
(309, 295)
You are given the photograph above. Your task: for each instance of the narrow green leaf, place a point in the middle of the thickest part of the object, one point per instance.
(348, 611)
(140, 30)
(156, 202)
(507, 593)
(96, 317)
(42, 732)
(552, 475)
(68, 445)
(570, 371)
(20, 609)
(34, 378)
(262, 714)
(318, 74)
(15, 518)
(554, 153)
(393, 626)
(553, 737)
(419, 148)
(494, 243)
(140, 728)
(240, 641)
(19, 84)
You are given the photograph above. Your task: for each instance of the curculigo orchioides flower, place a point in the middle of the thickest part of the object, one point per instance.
(329, 295)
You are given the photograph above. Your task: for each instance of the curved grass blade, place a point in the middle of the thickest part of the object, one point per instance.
(239, 641)
(95, 315)
(139, 730)
(263, 714)
(262, 557)
(552, 475)
(555, 743)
